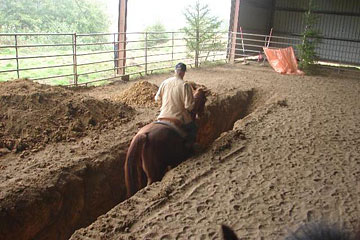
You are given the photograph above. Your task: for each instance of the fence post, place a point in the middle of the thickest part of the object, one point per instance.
(172, 47)
(146, 46)
(116, 54)
(17, 56)
(122, 20)
(74, 59)
(215, 47)
(197, 46)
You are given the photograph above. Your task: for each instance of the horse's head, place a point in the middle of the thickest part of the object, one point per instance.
(200, 100)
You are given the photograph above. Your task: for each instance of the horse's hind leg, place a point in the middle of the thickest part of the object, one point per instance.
(153, 164)
(148, 174)
(153, 172)
(142, 178)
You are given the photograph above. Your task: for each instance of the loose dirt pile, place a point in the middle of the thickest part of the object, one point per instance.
(142, 94)
(33, 115)
(139, 94)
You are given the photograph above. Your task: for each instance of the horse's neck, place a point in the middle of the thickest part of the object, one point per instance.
(199, 105)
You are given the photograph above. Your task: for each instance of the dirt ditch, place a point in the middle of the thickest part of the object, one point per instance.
(63, 152)
(294, 159)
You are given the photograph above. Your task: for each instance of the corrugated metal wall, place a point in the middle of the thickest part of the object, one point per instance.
(344, 6)
(254, 16)
(338, 24)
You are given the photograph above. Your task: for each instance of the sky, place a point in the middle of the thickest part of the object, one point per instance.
(142, 13)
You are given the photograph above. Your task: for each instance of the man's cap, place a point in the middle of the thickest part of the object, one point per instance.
(180, 66)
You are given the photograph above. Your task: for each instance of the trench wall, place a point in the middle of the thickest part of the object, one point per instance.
(90, 189)
(222, 113)
(75, 199)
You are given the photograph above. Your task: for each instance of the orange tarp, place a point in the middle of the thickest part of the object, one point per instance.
(282, 60)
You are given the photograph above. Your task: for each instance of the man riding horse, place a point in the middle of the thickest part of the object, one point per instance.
(168, 141)
(177, 101)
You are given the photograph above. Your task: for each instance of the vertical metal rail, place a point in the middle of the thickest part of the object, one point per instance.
(74, 59)
(146, 46)
(172, 48)
(116, 53)
(214, 47)
(197, 49)
(17, 56)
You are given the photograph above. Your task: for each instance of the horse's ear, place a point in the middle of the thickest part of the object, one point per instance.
(228, 233)
(197, 90)
(200, 92)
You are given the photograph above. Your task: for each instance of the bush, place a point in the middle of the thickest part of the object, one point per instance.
(310, 38)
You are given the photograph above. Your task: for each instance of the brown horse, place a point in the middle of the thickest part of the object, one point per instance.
(156, 147)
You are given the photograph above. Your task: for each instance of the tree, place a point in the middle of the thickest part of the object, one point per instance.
(201, 30)
(310, 38)
(156, 34)
(81, 16)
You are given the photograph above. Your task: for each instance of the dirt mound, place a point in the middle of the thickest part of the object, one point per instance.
(142, 94)
(139, 94)
(32, 115)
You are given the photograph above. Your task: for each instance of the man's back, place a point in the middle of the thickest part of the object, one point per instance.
(177, 99)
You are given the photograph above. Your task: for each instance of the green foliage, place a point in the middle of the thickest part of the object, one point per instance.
(48, 72)
(52, 16)
(201, 30)
(32, 16)
(156, 34)
(310, 38)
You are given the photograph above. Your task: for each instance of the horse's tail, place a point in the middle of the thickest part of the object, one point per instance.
(134, 175)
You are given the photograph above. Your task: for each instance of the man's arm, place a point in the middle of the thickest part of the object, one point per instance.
(158, 93)
(189, 101)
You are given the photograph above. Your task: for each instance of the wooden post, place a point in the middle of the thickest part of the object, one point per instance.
(122, 37)
(234, 31)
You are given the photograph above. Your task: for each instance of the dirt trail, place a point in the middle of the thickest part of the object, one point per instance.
(296, 158)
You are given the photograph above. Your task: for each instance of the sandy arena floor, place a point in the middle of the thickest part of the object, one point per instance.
(294, 159)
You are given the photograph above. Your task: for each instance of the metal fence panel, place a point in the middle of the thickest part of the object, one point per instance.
(67, 59)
